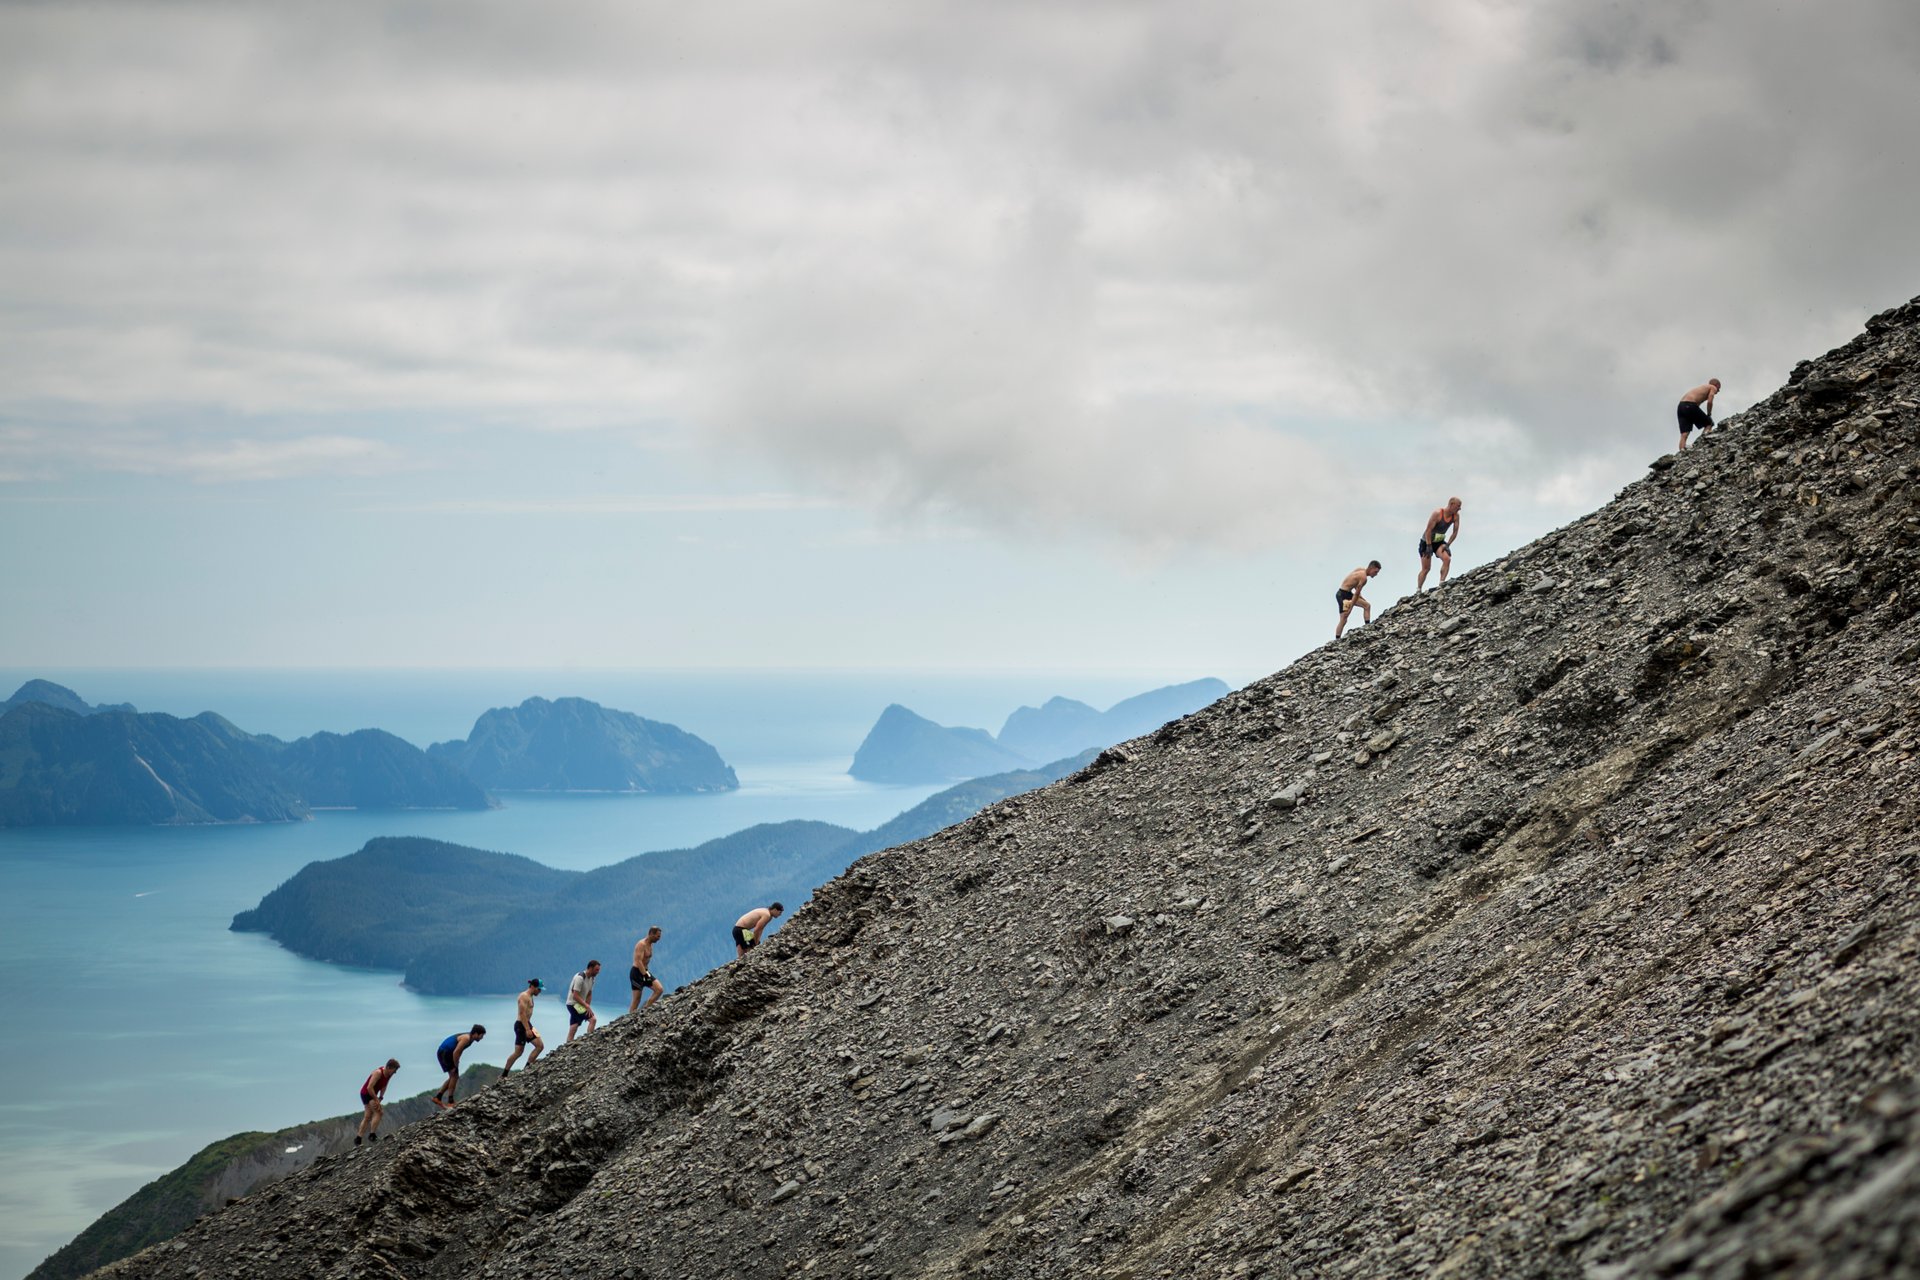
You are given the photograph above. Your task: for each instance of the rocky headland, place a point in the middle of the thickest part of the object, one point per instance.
(60, 765)
(571, 744)
(1564, 922)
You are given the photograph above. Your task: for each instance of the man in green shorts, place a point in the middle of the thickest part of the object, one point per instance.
(748, 928)
(580, 1000)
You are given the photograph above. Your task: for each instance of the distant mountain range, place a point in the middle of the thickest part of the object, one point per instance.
(570, 744)
(66, 762)
(906, 748)
(460, 921)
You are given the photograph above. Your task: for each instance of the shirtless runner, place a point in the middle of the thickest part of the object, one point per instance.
(1696, 409)
(373, 1101)
(523, 1032)
(1349, 595)
(640, 977)
(748, 928)
(1437, 539)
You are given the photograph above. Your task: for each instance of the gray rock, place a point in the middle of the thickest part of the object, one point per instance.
(1602, 1002)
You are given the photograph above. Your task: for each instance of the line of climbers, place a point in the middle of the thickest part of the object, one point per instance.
(747, 931)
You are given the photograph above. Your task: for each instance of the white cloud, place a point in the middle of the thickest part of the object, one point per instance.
(1155, 274)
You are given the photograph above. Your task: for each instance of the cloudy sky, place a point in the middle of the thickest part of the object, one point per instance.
(1003, 335)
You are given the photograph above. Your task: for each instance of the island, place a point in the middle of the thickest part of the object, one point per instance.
(64, 766)
(461, 921)
(571, 744)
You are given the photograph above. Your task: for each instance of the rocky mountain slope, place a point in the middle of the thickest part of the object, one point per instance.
(1563, 922)
(234, 1166)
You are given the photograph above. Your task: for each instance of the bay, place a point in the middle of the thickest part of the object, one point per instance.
(143, 1029)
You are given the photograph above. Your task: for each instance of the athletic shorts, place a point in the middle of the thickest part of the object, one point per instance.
(576, 1015)
(365, 1097)
(741, 938)
(1340, 599)
(522, 1034)
(446, 1060)
(639, 979)
(1692, 415)
(1426, 550)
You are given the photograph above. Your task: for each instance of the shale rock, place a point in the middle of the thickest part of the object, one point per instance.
(1607, 968)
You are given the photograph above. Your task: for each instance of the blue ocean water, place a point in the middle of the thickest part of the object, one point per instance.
(144, 1030)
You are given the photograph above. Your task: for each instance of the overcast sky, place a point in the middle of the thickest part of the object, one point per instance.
(975, 335)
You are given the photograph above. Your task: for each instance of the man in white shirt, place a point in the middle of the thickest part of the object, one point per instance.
(580, 1000)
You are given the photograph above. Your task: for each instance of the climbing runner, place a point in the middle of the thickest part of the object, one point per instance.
(373, 1101)
(1696, 410)
(640, 976)
(748, 928)
(580, 1000)
(523, 1032)
(1443, 529)
(1349, 595)
(449, 1058)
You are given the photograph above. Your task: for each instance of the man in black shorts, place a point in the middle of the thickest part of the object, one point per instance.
(373, 1101)
(640, 976)
(448, 1056)
(1696, 409)
(523, 1032)
(1443, 527)
(1349, 595)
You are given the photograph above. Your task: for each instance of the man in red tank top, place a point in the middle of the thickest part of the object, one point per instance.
(373, 1102)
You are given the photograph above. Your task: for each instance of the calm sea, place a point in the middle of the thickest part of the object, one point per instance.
(142, 1030)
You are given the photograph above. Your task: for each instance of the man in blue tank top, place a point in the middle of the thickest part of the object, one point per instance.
(449, 1056)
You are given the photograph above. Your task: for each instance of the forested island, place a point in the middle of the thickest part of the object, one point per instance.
(461, 921)
(66, 762)
(67, 768)
(571, 744)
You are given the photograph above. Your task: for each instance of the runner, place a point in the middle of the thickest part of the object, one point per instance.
(523, 1032)
(1696, 410)
(1349, 595)
(580, 1000)
(748, 928)
(640, 977)
(1436, 541)
(449, 1057)
(373, 1101)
